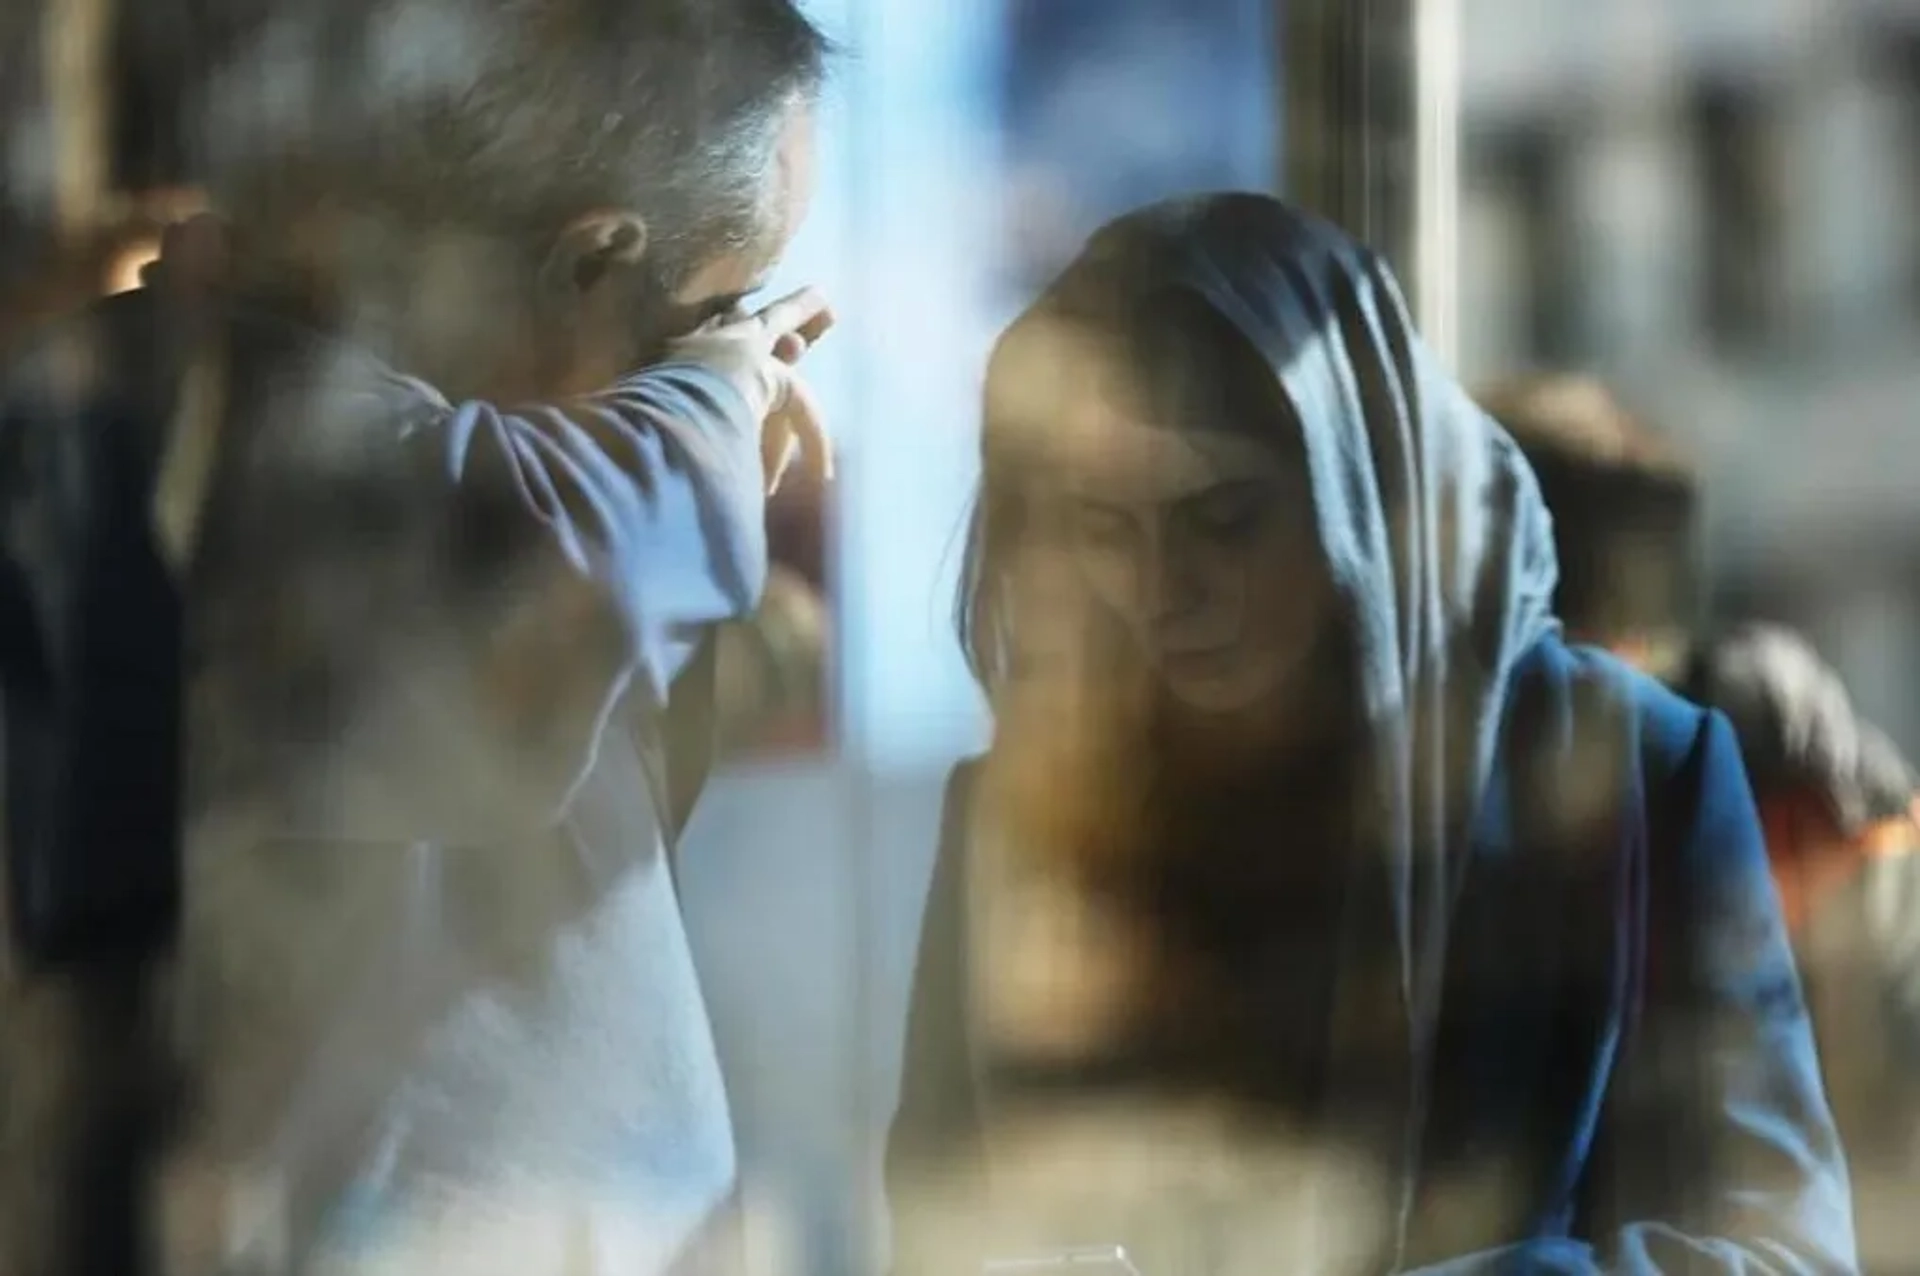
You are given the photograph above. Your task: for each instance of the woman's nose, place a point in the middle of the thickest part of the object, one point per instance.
(1170, 585)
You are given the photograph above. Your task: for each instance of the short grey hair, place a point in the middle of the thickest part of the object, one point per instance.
(513, 116)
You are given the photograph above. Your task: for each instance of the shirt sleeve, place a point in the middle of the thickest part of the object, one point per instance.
(475, 592)
(648, 495)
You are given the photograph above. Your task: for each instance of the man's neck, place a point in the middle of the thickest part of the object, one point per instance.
(446, 314)
(465, 364)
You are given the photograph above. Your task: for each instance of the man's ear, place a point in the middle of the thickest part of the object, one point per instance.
(593, 247)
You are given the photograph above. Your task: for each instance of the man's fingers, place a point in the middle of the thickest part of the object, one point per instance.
(808, 425)
(799, 313)
(818, 326)
(776, 446)
(791, 347)
(798, 420)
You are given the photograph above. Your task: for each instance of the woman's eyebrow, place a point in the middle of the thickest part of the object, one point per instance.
(1249, 487)
(1100, 503)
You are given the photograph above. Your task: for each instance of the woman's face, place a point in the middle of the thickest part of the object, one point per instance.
(1202, 543)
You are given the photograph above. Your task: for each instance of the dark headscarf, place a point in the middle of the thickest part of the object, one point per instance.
(1434, 537)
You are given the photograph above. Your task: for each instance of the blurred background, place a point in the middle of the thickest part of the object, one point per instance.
(1713, 206)
(1710, 203)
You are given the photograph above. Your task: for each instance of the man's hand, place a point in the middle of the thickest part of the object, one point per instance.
(759, 353)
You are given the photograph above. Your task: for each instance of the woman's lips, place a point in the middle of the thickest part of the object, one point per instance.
(1198, 661)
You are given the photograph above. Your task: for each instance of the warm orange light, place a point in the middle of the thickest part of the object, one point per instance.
(123, 272)
(1896, 836)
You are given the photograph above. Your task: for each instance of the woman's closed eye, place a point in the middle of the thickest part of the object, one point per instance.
(1098, 524)
(1231, 514)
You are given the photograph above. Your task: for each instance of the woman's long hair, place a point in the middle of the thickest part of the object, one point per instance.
(1090, 761)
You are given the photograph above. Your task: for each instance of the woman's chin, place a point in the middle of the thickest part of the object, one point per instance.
(1224, 693)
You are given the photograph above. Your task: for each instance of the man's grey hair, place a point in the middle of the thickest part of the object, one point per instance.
(510, 117)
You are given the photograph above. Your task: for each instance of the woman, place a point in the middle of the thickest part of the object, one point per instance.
(1474, 925)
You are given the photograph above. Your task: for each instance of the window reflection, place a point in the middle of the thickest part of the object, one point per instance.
(1707, 211)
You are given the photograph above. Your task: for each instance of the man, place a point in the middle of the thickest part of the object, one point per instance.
(448, 688)
(1836, 797)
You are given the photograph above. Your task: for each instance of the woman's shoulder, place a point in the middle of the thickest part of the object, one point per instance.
(1677, 764)
(1592, 683)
